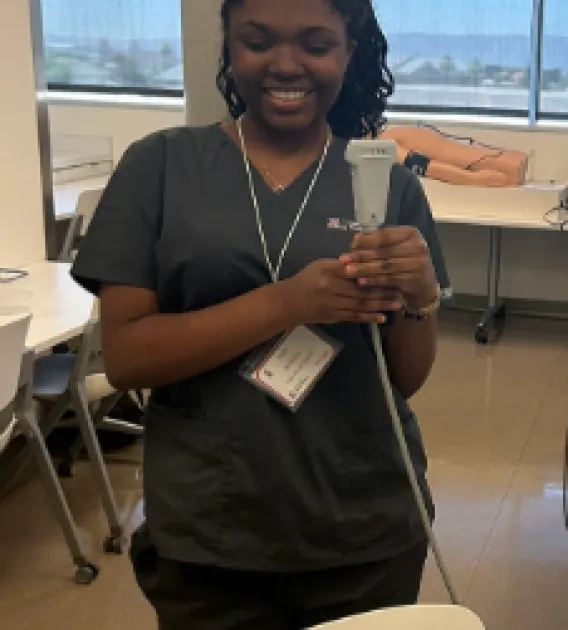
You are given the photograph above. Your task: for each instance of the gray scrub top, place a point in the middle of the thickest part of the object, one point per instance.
(231, 478)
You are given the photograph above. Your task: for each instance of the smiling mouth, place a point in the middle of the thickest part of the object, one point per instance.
(288, 96)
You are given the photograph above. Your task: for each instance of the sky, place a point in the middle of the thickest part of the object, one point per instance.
(113, 18)
(462, 17)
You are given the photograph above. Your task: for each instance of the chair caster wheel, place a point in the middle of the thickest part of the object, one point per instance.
(114, 545)
(482, 337)
(65, 469)
(86, 574)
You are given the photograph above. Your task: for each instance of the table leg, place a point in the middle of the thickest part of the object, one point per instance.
(496, 308)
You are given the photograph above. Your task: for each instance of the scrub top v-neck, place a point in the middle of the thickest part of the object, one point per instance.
(231, 478)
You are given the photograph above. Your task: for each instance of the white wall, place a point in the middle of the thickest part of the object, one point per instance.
(202, 44)
(123, 125)
(21, 197)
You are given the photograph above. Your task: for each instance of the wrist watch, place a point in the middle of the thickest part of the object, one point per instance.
(426, 311)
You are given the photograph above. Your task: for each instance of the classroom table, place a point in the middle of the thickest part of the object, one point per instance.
(497, 218)
(60, 308)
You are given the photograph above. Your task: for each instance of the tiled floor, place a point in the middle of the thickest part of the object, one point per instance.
(494, 420)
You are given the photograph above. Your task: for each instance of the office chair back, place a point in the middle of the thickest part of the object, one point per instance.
(53, 373)
(411, 618)
(87, 204)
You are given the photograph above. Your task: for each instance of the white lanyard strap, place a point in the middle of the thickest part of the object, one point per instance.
(275, 271)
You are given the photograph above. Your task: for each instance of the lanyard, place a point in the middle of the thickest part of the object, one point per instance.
(275, 270)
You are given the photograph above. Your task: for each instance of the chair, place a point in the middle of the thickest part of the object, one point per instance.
(86, 205)
(13, 331)
(411, 618)
(77, 382)
(55, 372)
(6, 433)
(16, 410)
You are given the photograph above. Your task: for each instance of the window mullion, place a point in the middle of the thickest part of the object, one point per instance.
(537, 31)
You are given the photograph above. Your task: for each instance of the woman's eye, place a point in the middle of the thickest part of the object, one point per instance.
(317, 49)
(257, 46)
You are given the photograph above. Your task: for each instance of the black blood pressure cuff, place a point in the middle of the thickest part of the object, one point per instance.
(418, 163)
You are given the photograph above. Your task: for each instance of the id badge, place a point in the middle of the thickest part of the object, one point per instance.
(289, 368)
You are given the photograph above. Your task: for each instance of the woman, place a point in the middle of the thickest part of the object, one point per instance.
(258, 516)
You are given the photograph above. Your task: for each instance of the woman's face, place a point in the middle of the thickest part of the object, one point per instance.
(288, 59)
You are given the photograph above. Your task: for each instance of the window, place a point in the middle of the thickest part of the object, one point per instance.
(446, 55)
(113, 45)
(459, 54)
(554, 76)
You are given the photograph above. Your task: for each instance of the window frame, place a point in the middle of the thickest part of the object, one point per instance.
(458, 111)
(84, 88)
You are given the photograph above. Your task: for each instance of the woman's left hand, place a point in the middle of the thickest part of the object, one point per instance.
(396, 258)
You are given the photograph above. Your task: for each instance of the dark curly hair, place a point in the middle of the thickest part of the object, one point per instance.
(359, 109)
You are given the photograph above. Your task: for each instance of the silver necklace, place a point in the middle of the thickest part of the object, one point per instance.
(275, 270)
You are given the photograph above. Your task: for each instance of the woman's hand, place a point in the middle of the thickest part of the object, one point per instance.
(396, 259)
(323, 294)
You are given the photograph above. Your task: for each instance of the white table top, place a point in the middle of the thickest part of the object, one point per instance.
(518, 208)
(504, 217)
(60, 308)
(65, 196)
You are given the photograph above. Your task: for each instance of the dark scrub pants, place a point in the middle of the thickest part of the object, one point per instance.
(188, 596)
(277, 517)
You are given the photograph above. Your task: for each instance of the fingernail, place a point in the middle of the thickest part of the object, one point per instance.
(346, 258)
(381, 319)
(363, 281)
(351, 270)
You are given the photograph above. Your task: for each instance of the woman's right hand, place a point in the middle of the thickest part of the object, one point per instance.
(323, 294)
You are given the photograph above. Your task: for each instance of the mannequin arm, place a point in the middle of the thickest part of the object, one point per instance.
(472, 158)
(455, 175)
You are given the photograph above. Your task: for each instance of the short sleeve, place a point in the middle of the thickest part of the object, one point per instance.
(415, 210)
(120, 244)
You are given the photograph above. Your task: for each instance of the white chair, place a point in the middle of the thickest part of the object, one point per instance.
(77, 382)
(13, 331)
(16, 410)
(86, 206)
(423, 617)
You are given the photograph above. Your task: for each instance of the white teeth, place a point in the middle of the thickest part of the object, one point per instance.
(287, 96)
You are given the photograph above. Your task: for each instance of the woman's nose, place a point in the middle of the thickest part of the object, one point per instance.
(285, 64)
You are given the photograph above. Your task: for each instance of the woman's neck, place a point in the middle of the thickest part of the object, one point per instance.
(286, 144)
